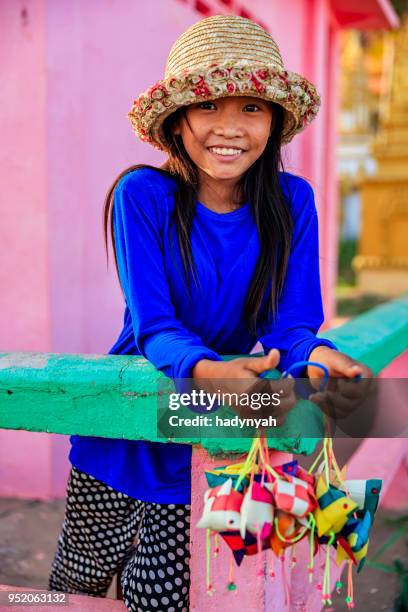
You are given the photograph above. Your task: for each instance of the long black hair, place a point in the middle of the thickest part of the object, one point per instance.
(260, 185)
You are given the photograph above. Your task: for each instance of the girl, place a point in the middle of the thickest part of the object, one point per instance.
(215, 250)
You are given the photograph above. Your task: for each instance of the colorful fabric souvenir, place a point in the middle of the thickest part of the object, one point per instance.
(286, 529)
(221, 508)
(249, 545)
(294, 496)
(257, 510)
(221, 474)
(254, 506)
(356, 533)
(333, 509)
(366, 493)
(292, 468)
(233, 468)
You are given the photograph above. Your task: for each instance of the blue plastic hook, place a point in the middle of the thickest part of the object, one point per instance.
(304, 364)
(301, 387)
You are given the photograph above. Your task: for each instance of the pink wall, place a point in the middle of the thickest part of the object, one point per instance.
(70, 71)
(24, 267)
(97, 64)
(312, 153)
(25, 322)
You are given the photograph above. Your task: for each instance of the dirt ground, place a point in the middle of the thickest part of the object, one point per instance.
(29, 531)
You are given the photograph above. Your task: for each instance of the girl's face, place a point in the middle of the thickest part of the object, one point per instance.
(225, 137)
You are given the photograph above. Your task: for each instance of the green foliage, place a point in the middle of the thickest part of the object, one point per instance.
(347, 250)
(355, 305)
(350, 303)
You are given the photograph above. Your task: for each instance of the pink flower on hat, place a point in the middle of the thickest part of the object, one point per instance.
(157, 92)
(258, 86)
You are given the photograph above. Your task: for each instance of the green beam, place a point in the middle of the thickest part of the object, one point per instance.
(116, 396)
(375, 337)
(110, 396)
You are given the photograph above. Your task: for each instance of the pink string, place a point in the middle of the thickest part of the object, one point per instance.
(259, 544)
(284, 580)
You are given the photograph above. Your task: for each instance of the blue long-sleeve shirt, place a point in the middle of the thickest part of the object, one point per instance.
(174, 331)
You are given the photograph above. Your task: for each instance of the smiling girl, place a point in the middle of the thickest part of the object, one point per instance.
(216, 250)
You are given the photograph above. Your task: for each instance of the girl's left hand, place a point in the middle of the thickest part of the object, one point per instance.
(338, 364)
(345, 395)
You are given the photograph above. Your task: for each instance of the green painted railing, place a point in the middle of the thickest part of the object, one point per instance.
(116, 396)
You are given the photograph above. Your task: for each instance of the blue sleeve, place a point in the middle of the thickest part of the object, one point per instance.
(159, 335)
(300, 311)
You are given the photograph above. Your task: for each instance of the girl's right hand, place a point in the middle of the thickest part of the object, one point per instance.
(241, 376)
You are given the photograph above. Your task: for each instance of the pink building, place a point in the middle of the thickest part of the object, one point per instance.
(70, 71)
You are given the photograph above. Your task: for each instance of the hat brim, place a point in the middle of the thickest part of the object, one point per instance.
(292, 91)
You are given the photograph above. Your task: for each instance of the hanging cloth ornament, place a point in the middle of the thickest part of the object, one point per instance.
(254, 506)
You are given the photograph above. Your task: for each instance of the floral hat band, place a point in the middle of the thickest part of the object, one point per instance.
(222, 56)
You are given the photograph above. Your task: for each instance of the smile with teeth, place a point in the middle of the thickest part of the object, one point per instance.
(225, 151)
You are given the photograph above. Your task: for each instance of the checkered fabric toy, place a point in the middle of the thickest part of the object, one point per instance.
(222, 508)
(294, 496)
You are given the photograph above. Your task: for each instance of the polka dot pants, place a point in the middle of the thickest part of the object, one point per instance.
(105, 531)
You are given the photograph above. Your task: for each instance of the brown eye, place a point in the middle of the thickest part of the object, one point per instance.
(253, 108)
(206, 105)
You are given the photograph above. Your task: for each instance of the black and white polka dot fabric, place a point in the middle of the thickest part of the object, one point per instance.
(105, 531)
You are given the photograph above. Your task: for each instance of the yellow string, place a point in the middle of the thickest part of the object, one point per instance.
(231, 570)
(266, 457)
(260, 450)
(266, 448)
(246, 468)
(350, 594)
(289, 540)
(255, 462)
(326, 462)
(258, 456)
(312, 523)
(326, 575)
(316, 461)
(208, 559)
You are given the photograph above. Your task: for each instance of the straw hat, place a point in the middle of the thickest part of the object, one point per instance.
(221, 56)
